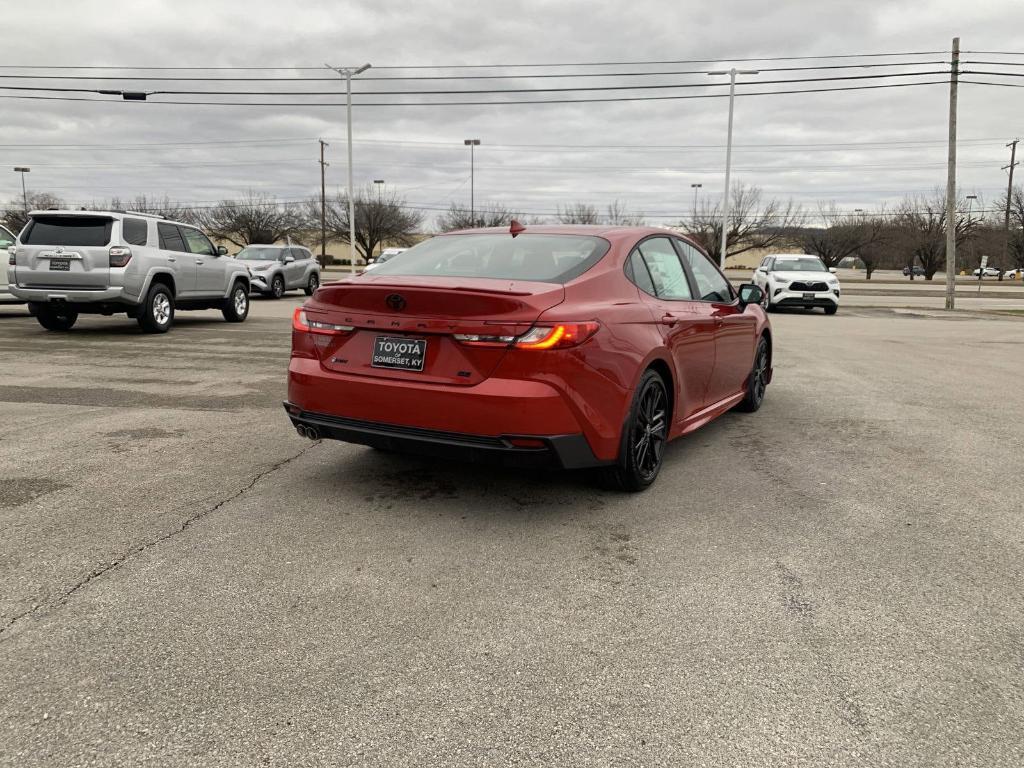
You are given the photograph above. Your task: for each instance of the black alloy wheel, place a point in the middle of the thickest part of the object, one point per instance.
(644, 437)
(757, 382)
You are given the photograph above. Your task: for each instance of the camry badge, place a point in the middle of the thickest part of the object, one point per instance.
(395, 302)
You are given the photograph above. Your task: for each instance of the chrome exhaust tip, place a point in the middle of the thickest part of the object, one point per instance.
(301, 430)
(312, 433)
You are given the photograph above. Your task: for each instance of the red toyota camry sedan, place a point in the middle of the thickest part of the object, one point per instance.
(559, 346)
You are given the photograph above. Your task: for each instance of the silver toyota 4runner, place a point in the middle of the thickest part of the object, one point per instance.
(67, 263)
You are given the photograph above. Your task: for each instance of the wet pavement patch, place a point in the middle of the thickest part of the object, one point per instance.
(21, 490)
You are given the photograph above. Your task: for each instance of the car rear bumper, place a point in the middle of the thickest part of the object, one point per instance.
(553, 451)
(70, 295)
(472, 423)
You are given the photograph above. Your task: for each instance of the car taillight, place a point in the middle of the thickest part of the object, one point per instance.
(120, 256)
(557, 336)
(300, 322)
(12, 255)
(480, 340)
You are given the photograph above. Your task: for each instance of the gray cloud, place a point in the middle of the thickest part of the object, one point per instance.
(419, 149)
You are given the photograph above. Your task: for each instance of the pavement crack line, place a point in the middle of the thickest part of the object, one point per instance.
(120, 560)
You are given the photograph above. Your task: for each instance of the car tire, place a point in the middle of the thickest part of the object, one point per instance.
(832, 310)
(56, 319)
(157, 311)
(313, 284)
(236, 305)
(643, 437)
(277, 287)
(757, 381)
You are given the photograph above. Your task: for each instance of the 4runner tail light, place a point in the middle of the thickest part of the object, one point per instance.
(12, 255)
(120, 256)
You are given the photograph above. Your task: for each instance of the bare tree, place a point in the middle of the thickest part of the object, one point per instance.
(844, 235)
(921, 230)
(165, 207)
(1015, 245)
(619, 216)
(578, 213)
(753, 223)
(490, 215)
(15, 215)
(253, 218)
(381, 216)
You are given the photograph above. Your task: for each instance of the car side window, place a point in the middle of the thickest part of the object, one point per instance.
(711, 285)
(666, 271)
(135, 231)
(637, 273)
(197, 242)
(170, 238)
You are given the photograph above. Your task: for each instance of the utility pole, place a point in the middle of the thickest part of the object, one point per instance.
(472, 144)
(348, 73)
(323, 205)
(954, 78)
(728, 151)
(1009, 194)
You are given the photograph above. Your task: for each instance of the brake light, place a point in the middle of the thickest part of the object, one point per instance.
(557, 336)
(300, 322)
(12, 255)
(479, 340)
(120, 256)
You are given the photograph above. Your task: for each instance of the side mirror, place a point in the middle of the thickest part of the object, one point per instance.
(750, 294)
(288, 259)
(832, 270)
(222, 251)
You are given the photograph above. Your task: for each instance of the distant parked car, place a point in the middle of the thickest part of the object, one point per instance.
(797, 280)
(279, 268)
(68, 263)
(918, 271)
(7, 241)
(1013, 274)
(987, 272)
(386, 255)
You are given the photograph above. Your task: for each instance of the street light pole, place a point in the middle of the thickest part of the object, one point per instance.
(23, 169)
(695, 188)
(348, 73)
(472, 143)
(970, 207)
(728, 151)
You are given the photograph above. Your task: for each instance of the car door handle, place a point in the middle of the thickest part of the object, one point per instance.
(198, 262)
(171, 258)
(669, 319)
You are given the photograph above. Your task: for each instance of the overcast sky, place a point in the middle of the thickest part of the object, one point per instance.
(643, 153)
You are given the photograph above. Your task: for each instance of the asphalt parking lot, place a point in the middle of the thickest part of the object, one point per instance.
(835, 580)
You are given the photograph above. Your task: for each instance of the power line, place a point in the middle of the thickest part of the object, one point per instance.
(490, 92)
(663, 73)
(477, 103)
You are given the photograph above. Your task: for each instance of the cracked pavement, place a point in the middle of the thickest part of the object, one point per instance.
(835, 580)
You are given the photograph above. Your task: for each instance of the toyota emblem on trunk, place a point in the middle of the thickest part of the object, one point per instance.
(395, 302)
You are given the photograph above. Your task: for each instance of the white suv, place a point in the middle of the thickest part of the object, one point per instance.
(798, 280)
(67, 263)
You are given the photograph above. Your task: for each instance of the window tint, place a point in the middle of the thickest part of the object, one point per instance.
(135, 231)
(544, 258)
(68, 230)
(6, 237)
(665, 269)
(197, 243)
(170, 238)
(637, 272)
(710, 284)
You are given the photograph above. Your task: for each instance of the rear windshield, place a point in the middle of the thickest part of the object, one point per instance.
(67, 230)
(540, 258)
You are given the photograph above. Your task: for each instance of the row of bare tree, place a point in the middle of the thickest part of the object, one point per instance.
(913, 233)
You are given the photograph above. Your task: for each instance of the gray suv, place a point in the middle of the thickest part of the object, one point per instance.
(67, 263)
(7, 239)
(279, 268)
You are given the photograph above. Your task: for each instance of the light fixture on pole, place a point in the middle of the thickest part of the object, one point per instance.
(380, 186)
(728, 150)
(471, 143)
(23, 169)
(348, 73)
(695, 188)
